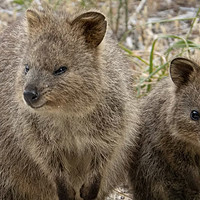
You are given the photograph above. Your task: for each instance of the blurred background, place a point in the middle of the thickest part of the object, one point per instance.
(150, 32)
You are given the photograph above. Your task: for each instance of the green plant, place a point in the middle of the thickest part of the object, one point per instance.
(156, 67)
(23, 3)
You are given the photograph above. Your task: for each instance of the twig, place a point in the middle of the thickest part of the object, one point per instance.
(126, 15)
(141, 5)
(121, 193)
(111, 14)
(118, 17)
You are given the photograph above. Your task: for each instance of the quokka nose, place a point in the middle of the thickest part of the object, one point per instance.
(31, 95)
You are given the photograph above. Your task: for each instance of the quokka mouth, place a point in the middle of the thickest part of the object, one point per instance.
(34, 106)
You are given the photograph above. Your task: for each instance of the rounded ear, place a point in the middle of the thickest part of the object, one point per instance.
(33, 18)
(93, 26)
(34, 22)
(36, 16)
(181, 70)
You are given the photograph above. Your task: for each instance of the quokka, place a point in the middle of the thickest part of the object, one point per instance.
(167, 163)
(67, 109)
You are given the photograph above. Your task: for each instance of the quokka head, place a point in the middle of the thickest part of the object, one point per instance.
(61, 69)
(185, 110)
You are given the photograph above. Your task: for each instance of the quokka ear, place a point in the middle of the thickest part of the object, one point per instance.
(181, 70)
(33, 19)
(93, 26)
(37, 16)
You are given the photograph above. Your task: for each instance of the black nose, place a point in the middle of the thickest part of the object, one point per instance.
(31, 95)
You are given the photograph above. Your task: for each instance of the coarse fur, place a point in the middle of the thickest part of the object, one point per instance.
(168, 152)
(74, 140)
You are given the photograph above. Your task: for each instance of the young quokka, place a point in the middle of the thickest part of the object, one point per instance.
(67, 111)
(168, 153)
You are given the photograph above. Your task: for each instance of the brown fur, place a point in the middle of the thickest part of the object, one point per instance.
(74, 141)
(168, 156)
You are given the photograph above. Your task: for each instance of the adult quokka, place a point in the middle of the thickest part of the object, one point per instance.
(67, 112)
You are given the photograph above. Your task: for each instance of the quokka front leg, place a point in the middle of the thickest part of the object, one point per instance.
(90, 190)
(64, 190)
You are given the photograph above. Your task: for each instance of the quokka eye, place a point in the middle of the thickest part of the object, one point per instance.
(195, 115)
(26, 69)
(60, 71)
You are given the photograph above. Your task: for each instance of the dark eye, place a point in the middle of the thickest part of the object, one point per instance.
(59, 71)
(195, 115)
(26, 69)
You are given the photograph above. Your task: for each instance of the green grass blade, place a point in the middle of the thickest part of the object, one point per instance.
(132, 54)
(151, 62)
(192, 25)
